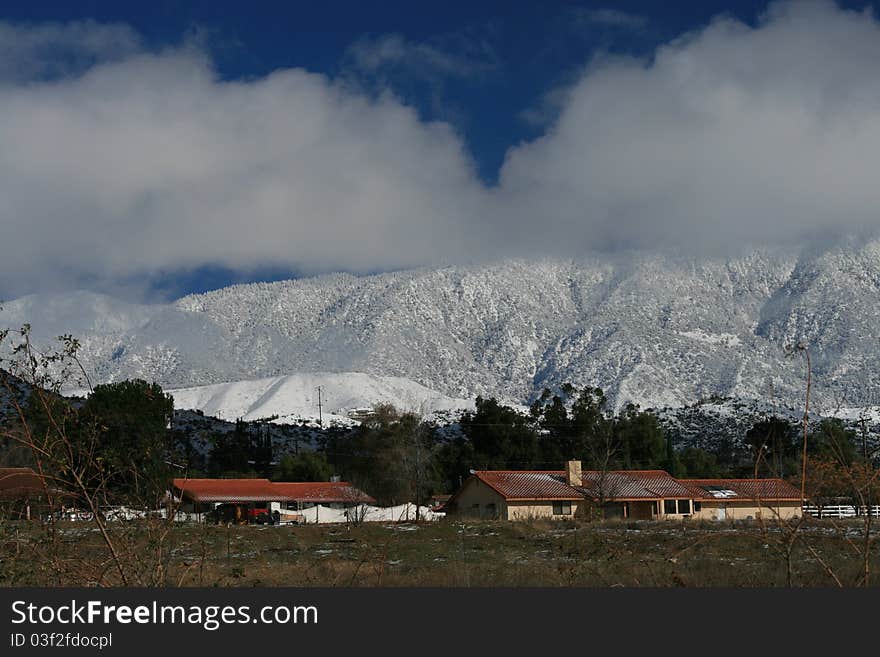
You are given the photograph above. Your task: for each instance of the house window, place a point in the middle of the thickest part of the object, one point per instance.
(562, 508)
(491, 514)
(668, 506)
(684, 506)
(697, 507)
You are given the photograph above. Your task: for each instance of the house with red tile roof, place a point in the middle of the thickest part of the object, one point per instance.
(240, 497)
(516, 495)
(633, 494)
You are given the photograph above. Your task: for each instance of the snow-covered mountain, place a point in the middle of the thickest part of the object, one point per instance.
(656, 329)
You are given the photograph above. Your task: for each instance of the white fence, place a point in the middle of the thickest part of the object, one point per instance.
(125, 513)
(841, 511)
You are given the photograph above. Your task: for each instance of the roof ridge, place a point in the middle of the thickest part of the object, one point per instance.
(736, 479)
(519, 471)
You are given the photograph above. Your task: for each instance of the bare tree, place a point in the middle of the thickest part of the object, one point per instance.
(65, 450)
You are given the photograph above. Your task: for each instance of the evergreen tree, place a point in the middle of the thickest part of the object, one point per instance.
(231, 453)
(595, 442)
(305, 466)
(133, 423)
(774, 443)
(502, 439)
(641, 437)
(697, 463)
(832, 441)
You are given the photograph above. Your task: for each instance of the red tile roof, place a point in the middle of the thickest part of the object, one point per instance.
(322, 491)
(626, 485)
(263, 490)
(20, 483)
(529, 484)
(748, 489)
(226, 490)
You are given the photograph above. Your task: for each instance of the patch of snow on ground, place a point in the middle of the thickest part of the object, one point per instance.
(869, 413)
(726, 339)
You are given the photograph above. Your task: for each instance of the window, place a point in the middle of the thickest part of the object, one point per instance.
(562, 508)
(491, 514)
(697, 507)
(684, 506)
(668, 506)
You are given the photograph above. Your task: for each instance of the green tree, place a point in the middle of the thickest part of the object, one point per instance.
(557, 441)
(595, 441)
(774, 442)
(641, 438)
(697, 463)
(501, 437)
(833, 441)
(305, 466)
(133, 418)
(390, 456)
(453, 461)
(232, 452)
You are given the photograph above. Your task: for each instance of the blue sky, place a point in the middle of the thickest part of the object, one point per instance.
(482, 89)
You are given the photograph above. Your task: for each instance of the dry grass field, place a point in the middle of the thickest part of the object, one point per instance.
(447, 554)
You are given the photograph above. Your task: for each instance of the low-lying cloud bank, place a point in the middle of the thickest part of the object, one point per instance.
(134, 161)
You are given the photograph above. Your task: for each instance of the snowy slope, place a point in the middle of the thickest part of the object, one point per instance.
(655, 329)
(295, 397)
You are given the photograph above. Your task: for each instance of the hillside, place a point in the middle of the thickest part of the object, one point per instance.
(293, 399)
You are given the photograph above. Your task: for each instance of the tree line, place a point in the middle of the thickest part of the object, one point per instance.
(125, 431)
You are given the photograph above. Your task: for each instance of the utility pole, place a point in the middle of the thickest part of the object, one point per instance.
(418, 474)
(320, 418)
(803, 347)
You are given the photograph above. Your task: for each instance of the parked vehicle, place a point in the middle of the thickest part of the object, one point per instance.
(260, 516)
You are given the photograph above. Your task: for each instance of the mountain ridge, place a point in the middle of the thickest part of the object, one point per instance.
(653, 329)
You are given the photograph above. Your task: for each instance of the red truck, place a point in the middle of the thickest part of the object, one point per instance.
(262, 516)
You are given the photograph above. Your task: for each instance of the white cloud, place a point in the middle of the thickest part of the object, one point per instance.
(147, 162)
(731, 135)
(151, 163)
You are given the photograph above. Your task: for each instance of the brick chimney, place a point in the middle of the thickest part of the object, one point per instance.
(573, 473)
